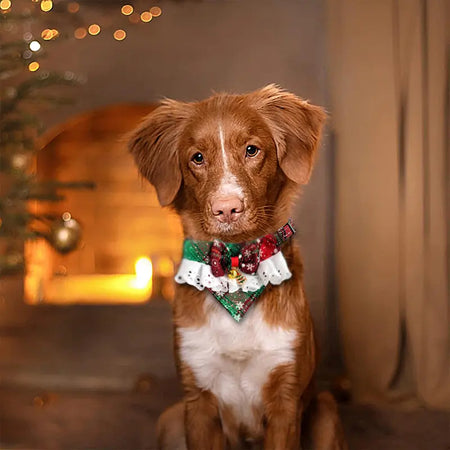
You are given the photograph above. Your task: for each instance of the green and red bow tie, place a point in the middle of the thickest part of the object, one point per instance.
(224, 260)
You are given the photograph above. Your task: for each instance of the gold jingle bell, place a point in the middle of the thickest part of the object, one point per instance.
(233, 274)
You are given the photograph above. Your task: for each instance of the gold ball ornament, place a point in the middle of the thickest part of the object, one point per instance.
(65, 234)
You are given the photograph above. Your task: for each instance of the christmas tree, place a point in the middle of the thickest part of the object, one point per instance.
(25, 92)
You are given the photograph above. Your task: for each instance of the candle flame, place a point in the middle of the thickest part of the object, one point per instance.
(144, 272)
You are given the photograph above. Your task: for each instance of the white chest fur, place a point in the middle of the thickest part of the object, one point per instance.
(233, 360)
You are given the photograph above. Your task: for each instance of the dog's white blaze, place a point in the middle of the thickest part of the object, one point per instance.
(233, 360)
(229, 184)
(222, 146)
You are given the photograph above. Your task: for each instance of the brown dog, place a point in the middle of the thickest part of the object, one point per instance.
(231, 166)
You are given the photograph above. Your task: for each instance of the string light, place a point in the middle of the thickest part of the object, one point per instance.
(5, 4)
(119, 35)
(46, 34)
(155, 11)
(49, 34)
(80, 33)
(146, 16)
(35, 46)
(94, 29)
(33, 66)
(46, 5)
(127, 10)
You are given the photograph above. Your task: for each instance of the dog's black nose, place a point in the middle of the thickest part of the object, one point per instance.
(227, 209)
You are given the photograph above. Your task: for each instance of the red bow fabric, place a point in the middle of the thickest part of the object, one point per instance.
(248, 259)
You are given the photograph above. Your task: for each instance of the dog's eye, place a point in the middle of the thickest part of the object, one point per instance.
(251, 151)
(198, 159)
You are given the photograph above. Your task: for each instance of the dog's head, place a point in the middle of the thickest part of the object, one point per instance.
(230, 165)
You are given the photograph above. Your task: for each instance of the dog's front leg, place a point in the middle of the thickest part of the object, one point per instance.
(283, 410)
(202, 422)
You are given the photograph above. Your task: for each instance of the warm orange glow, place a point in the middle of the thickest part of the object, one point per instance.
(164, 267)
(49, 34)
(5, 4)
(83, 289)
(155, 11)
(46, 34)
(126, 10)
(96, 289)
(94, 29)
(73, 7)
(146, 16)
(32, 67)
(144, 272)
(80, 33)
(46, 5)
(120, 35)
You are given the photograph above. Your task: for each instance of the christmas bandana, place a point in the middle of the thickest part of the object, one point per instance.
(235, 274)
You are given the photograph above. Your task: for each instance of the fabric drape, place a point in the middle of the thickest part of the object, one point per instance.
(389, 89)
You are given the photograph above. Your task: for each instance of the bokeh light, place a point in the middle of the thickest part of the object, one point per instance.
(73, 7)
(155, 11)
(119, 35)
(33, 66)
(35, 46)
(80, 33)
(146, 16)
(46, 34)
(5, 4)
(46, 5)
(127, 10)
(49, 34)
(94, 29)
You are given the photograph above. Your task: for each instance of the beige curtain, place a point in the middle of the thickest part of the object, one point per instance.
(389, 88)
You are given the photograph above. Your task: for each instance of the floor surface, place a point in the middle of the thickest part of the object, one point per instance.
(66, 420)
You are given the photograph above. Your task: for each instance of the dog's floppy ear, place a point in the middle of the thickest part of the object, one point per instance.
(154, 145)
(296, 128)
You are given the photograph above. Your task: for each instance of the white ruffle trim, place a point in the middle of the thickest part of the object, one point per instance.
(273, 270)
